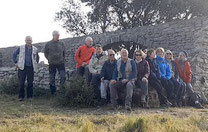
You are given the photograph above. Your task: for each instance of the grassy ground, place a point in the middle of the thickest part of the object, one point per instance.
(42, 114)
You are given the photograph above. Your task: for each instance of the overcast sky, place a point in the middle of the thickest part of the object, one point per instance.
(20, 18)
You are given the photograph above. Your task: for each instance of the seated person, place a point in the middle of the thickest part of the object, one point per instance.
(154, 78)
(185, 74)
(179, 86)
(166, 74)
(106, 75)
(95, 66)
(124, 76)
(143, 72)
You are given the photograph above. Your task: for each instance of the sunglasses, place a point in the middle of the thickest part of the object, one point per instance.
(169, 54)
(111, 54)
(138, 54)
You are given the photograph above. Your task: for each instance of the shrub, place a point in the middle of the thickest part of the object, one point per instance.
(10, 86)
(77, 92)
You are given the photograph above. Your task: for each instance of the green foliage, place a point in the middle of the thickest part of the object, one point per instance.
(10, 86)
(77, 92)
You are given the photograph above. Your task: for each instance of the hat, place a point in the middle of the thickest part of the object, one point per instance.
(168, 51)
(160, 48)
(184, 53)
(98, 45)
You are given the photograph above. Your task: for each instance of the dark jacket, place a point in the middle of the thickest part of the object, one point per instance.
(174, 69)
(55, 52)
(143, 70)
(107, 70)
(154, 69)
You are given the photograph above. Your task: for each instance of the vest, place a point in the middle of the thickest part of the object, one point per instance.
(128, 68)
(21, 60)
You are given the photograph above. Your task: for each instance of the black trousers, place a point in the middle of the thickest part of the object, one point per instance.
(95, 83)
(84, 71)
(28, 73)
(52, 72)
(156, 84)
(169, 87)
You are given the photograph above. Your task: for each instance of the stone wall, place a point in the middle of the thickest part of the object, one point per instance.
(190, 35)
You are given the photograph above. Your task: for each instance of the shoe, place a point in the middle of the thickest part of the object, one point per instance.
(167, 104)
(29, 99)
(21, 99)
(103, 102)
(198, 106)
(128, 107)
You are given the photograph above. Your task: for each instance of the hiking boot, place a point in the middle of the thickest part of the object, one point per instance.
(167, 104)
(21, 99)
(128, 107)
(103, 102)
(198, 106)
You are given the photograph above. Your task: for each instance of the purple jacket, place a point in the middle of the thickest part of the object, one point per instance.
(143, 69)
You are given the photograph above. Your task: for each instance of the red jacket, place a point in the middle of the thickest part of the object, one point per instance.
(186, 76)
(83, 54)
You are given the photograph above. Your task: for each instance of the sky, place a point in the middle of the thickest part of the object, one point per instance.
(20, 18)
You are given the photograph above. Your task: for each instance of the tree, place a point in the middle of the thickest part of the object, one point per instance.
(110, 15)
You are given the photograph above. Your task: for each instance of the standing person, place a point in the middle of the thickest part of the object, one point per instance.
(124, 76)
(55, 54)
(154, 78)
(179, 86)
(26, 65)
(82, 58)
(95, 66)
(143, 72)
(185, 74)
(166, 74)
(106, 75)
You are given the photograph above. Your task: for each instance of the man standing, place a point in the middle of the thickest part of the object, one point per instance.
(55, 53)
(83, 56)
(95, 66)
(106, 75)
(124, 76)
(26, 65)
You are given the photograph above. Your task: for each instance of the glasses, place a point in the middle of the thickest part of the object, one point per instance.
(138, 54)
(169, 54)
(111, 54)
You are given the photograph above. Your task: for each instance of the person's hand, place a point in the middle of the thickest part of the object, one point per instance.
(16, 67)
(144, 79)
(102, 79)
(124, 81)
(113, 81)
(84, 64)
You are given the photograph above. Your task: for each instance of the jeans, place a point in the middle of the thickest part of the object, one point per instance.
(95, 83)
(144, 87)
(169, 87)
(84, 71)
(104, 86)
(28, 73)
(52, 72)
(114, 88)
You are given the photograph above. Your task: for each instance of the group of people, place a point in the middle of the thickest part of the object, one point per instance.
(108, 76)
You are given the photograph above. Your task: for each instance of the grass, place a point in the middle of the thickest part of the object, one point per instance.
(43, 115)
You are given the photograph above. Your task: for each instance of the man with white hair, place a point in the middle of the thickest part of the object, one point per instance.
(55, 53)
(124, 76)
(83, 56)
(26, 64)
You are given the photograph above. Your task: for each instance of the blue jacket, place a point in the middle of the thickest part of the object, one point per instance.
(107, 70)
(122, 69)
(164, 67)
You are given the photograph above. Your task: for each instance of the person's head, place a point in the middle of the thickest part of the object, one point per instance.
(28, 40)
(168, 55)
(99, 49)
(183, 56)
(151, 54)
(124, 54)
(111, 55)
(160, 52)
(89, 41)
(55, 35)
(139, 55)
